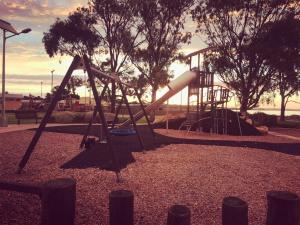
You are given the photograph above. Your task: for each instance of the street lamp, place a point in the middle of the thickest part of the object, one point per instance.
(41, 89)
(7, 27)
(52, 71)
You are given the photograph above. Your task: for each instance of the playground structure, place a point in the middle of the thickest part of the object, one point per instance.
(105, 79)
(210, 98)
(200, 83)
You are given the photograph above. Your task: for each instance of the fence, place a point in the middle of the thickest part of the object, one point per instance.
(58, 206)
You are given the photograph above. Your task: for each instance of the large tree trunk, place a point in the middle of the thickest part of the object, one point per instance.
(282, 108)
(244, 105)
(153, 99)
(153, 95)
(113, 97)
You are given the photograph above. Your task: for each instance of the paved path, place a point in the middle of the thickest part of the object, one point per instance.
(284, 135)
(16, 127)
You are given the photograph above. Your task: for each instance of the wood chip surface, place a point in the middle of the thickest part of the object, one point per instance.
(199, 176)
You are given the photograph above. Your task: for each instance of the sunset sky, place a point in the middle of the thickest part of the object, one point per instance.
(27, 64)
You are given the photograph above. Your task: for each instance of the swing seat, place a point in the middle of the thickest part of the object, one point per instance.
(122, 131)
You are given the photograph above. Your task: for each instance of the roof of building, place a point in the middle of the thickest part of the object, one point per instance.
(12, 95)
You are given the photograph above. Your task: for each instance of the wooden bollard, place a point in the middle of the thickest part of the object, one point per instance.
(234, 211)
(283, 208)
(58, 202)
(179, 215)
(121, 203)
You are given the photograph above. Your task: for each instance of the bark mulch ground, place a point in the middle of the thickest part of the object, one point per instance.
(198, 171)
(99, 155)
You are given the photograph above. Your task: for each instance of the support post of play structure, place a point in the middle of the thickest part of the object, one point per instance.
(88, 128)
(131, 117)
(58, 202)
(283, 208)
(121, 205)
(46, 118)
(179, 215)
(92, 119)
(101, 114)
(117, 113)
(144, 111)
(234, 211)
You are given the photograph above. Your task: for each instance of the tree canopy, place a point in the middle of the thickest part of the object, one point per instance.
(105, 31)
(232, 28)
(162, 29)
(75, 35)
(280, 46)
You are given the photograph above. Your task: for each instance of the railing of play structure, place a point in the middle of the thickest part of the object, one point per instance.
(58, 199)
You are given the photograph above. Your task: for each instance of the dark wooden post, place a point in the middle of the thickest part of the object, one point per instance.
(84, 138)
(121, 204)
(58, 202)
(144, 111)
(283, 208)
(87, 131)
(117, 113)
(131, 117)
(102, 117)
(234, 211)
(179, 215)
(48, 113)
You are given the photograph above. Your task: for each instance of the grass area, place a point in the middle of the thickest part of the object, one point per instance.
(67, 117)
(84, 117)
(11, 118)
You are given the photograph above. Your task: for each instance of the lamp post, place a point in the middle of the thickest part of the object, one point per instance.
(52, 71)
(6, 27)
(41, 89)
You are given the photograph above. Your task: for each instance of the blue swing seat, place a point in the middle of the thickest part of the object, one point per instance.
(122, 131)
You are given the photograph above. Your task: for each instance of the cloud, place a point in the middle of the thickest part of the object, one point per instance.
(37, 13)
(40, 9)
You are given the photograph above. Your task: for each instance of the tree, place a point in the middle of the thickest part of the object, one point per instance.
(231, 27)
(64, 95)
(162, 24)
(75, 35)
(106, 29)
(119, 31)
(280, 45)
(74, 82)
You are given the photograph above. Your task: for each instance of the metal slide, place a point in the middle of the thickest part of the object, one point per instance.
(174, 87)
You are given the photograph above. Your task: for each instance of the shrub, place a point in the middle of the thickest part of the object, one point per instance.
(78, 118)
(263, 119)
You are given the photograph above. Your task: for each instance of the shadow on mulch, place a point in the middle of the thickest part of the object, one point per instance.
(100, 157)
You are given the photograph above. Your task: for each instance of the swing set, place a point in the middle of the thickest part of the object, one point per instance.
(109, 131)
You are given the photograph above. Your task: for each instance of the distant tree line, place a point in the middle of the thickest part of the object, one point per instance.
(256, 42)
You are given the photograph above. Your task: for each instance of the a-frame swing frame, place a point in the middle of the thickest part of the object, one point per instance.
(76, 63)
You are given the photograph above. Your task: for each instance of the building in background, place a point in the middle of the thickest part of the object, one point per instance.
(12, 101)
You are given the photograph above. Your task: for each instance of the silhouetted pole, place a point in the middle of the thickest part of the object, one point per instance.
(121, 207)
(48, 113)
(234, 211)
(283, 208)
(52, 71)
(179, 215)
